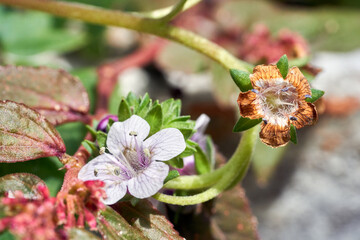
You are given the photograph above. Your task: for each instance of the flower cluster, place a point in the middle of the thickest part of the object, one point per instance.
(279, 102)
(42, 218)
(134, 165)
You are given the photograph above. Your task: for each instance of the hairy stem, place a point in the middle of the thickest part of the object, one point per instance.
(135, 22)
(236, 168)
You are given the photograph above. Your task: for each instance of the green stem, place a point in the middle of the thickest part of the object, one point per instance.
(135, 22)
(160, 13)
(174, 11)
(236, 168)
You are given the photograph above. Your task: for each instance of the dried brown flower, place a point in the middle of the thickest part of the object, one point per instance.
(279, 102)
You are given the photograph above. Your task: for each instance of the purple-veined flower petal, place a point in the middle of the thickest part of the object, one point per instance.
(122, 135)
(150, 181)
(165, 144)
(189, 166)
(115, 190)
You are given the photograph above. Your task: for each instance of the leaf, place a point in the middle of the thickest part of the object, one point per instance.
(113, 226)
(124, 111)
(78, 233)
(315, 95)
(202, 163)
(101, 138)
(147, 220)
(55, 94)
(189, 150)
(293, 137)
(283, 66)
(172, 174)
(6, 235)
(133, 101)
(24, 182)
(154, 118)
(43, 37)
(26, 135)
(176, 162)
(241, 79)
(90, 147)
(233, 216)
(210, 151)
(170, 109)
(144, 106)
(245, 123)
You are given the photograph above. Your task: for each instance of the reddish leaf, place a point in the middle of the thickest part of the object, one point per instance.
(113, 226)
(26, 135)
(233, 218)
(56, 94)
(24, 182)
(148, 220)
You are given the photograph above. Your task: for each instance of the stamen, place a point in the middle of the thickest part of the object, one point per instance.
(117, 171)
(307, 96)
(284, 89)
(293, 118)
(265, 121)
(133, 133)
(147, 152)
(102, 150)
(255, 91)
(96, 172)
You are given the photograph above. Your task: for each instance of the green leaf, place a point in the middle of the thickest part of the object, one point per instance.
(241, 79)
(315, 95)
(186, 128)
(293, 136)
(91, 130)
(189, 150)
(43, 37)
(145, 218)
(202, 163)
(91, 147)
(210, 151)
(26, 135)
(24, 182)
(171, 109)
(245, 123)
(176, 162)
(101, 138)
(133, 102)
(124, 111)
(113, 226)
(144, 106)
(283, 65)
(172, 174)
(6, 235)
(154, 118)
(54, 93)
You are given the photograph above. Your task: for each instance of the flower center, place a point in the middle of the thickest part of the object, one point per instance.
(278, 99)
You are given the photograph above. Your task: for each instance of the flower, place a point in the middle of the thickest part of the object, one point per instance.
(279, 102)
(200, 138)
(133, 164)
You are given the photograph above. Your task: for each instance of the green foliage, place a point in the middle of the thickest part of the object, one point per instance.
(35, 35)
(241, 79)
(315, 95)
(245, 124)
(172, 174)
(202, 163)
(283, 66)
(124, 111)
(293, 136)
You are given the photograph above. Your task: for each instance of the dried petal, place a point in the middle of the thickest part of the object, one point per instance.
(296, 78)
(275, 135)
(264, 72)
(249, 105)
(305, 115)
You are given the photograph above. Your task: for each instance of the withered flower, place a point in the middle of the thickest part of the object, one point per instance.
(279, 102)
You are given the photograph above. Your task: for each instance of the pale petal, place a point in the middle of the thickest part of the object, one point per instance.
(121, 134)
(98, 166)
(150, 181)
(115, 190)
(165, 144)
(201, 123)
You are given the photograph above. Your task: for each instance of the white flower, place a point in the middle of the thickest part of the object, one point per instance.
(133, 164)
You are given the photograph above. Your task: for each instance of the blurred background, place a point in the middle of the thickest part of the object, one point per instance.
(306, 191)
